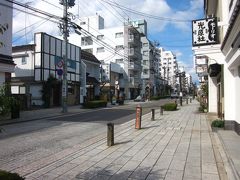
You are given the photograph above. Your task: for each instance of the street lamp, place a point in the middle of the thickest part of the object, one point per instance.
(180, 75)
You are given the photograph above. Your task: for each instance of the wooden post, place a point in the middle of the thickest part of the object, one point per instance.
(161, 110)
(153, 114)
(138, 117)
(110, 134)
(186, 100)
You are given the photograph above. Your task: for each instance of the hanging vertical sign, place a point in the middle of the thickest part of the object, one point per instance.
(204, 32)
(6, 28)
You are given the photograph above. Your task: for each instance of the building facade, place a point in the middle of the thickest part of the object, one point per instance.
(122, 46)
(222, 59)
(169, 67)
(6, 63)
(38, 62)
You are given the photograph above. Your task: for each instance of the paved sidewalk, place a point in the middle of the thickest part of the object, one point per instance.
(177, 145)
(231, 145)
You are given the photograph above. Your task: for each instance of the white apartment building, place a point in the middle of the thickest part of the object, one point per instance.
(169, 67)
(150, 62)
(121, 45)
(223, 59)
(148, 68)
(6, 63)
(188, 83)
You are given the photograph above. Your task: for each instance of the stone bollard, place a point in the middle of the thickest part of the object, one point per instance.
(138, 117)
(180, 100)
(153, 114)
(186, 100)
(161, 110)
(110, 134)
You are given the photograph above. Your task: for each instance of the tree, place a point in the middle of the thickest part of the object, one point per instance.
(5, 100)
(47, 90)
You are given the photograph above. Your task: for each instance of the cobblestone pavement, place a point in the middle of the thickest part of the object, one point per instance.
(176, 145)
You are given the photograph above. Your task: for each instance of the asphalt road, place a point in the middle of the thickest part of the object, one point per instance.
(25, 142)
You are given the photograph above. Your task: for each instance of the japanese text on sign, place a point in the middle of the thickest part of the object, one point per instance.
(204, 32)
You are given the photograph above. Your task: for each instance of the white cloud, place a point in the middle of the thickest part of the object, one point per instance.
(178, 54)
(158, 8)
(196, 6)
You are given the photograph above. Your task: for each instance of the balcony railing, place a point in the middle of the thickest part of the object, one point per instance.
(134, 81)
(132, 52)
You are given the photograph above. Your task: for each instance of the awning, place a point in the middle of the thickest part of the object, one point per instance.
(214, 69)
(92, 80)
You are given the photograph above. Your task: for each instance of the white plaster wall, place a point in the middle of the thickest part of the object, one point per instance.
(237, 97)
(23, 70)
(215, 55)
(212, 94)
(229, 94)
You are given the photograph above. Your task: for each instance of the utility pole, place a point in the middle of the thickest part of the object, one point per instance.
(65, 31)
(180, 75)
(64, 53)
(180, 82)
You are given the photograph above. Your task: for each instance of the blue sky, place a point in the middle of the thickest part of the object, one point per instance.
(172, 35)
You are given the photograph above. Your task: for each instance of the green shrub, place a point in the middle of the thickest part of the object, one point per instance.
(155, 98)
(9, 176)
(7, 102)
(158, 97)
(202, 107)
(170, 107)
(218, 123)
(95, 104)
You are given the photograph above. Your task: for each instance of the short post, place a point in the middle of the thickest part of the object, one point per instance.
(161, 110)
(138, 117)
(110, 134)
(186, 100)
(190, 100)
(180, 101)
(153, 114)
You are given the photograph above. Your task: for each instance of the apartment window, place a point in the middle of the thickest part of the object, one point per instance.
(119, 60)
(24, 60)
(86, 41)
(145, 62)
(145, 71)
(89, 50)
(145, 53)
(22, 90)
(119, 47)
(70, 89)
(145, 44)
(119, 34)
(100, 50)
(100, 37)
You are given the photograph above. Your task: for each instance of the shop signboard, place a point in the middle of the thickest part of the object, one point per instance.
(204, 32)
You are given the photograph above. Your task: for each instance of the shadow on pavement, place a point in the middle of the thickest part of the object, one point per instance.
(114, 171)
(123, 142)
